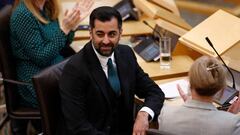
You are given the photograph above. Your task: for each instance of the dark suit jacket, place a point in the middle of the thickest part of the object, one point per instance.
(86, 103)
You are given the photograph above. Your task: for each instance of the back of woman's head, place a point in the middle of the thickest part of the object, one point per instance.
(207, 76)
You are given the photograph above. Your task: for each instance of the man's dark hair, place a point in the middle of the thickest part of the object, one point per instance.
(104, 14)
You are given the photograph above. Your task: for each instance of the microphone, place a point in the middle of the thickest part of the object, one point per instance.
(210, 43)
(154, 30)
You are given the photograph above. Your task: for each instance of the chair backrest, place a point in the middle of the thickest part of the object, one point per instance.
(7, 68)
(47, 89)
(6, 60)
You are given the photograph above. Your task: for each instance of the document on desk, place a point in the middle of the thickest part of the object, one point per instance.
(170, 88)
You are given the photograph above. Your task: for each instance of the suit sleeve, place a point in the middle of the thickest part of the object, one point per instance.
(72, 91)
(148, 89)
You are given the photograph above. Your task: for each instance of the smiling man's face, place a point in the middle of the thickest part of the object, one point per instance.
(105, 36)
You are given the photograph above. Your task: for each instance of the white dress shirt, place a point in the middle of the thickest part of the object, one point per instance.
(103, 60)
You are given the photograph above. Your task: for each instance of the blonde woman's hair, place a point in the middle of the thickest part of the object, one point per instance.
(51, 8)
(207, 76)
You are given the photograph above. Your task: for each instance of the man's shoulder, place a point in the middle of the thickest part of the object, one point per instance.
(76, 58)
(81, 55)
(76, 62)
(124, 49)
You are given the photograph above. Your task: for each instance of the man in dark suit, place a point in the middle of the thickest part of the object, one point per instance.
(99, 83)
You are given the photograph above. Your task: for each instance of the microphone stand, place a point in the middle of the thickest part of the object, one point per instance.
(210, 43)
(159, 33)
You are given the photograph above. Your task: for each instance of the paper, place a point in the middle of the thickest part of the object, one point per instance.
(170, 88)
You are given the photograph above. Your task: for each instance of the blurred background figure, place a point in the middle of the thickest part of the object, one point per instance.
(5, 2)
(37, 40)
(198, 115)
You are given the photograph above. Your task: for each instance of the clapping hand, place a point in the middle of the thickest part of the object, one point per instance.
(71, 19)
(85, 7)
(184, 96)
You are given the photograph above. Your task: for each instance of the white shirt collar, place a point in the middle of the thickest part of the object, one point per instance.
(103, 59)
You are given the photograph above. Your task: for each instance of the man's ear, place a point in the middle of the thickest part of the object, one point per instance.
(120, 31)
(90, 33)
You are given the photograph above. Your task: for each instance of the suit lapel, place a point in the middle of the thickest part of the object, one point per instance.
(123, 74)
(100, 77)
(97, 71)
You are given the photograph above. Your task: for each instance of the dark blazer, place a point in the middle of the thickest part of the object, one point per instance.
(84, 90)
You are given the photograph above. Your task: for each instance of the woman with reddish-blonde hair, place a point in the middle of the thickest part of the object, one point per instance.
(36, 40)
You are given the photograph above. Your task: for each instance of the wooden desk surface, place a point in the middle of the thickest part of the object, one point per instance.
(180, 66)
(232, 57)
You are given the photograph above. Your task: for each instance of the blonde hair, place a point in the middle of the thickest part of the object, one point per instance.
(51, 8)
(207, 76)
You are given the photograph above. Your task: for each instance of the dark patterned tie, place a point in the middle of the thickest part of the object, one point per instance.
(113, 77)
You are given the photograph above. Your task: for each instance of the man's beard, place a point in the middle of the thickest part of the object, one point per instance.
(101, 51)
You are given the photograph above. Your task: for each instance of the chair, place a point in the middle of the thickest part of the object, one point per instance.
(47, 89)
(7, 69)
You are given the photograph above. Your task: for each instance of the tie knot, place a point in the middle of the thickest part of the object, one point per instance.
(109, 63)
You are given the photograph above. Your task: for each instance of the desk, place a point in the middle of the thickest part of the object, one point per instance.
(206, 8)
(232, 57)
(180, 64)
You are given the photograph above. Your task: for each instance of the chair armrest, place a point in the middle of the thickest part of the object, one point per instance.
(152, 131)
